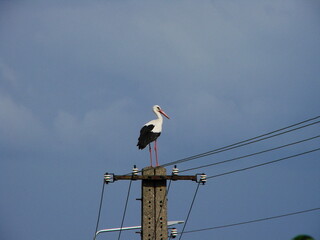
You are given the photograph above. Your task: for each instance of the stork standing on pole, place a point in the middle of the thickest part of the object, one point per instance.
(151, 131)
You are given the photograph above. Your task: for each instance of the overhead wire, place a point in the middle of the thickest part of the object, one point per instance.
(247, 168)
(100, 207)
(244, 142)
(241, 143)
(253, 221)
(252, 154)
(263, 164)
(191, 206)
(125, 209)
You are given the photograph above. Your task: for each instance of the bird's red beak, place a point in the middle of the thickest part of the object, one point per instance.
(164, 114)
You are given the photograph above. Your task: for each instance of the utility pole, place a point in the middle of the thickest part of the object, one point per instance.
(154, 198)
(154, 205)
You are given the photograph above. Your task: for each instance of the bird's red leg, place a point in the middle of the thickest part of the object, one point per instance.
(156, 152)
(150, 151)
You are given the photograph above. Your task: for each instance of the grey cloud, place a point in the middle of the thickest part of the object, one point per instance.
(20, 128)
(7, 73)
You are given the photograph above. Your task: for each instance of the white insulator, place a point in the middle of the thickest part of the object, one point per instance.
(107, 178)
(135, 170)
(175, 170)
(174, 232)
(203, 178)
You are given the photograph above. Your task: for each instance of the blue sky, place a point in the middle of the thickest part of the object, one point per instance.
(78, 79)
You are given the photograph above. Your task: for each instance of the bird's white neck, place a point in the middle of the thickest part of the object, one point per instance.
(156, 122)
(158, 115)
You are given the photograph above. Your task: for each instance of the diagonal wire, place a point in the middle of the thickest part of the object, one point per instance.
(252, 154)
(125, 209)
(263, 164)
(194, 197)
(238, 144)
(253, 221)
(100, 207)
(245, 142)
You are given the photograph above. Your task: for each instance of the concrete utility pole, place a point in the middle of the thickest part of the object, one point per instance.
(154, 198)
(154, 205)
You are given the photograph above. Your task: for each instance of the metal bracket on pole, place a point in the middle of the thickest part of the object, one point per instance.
(154, 197)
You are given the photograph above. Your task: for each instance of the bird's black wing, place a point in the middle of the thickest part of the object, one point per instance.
(145, 129)
(146, 136)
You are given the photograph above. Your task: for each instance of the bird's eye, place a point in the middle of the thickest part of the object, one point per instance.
(158, 108)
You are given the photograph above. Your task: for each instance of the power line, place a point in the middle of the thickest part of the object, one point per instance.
(253, 221)
(252, 154)
(242, 143)
(100, 207)
(125, 209)
(185, 223)
(266, 163)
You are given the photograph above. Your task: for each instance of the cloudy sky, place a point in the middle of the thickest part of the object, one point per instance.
(78, 79)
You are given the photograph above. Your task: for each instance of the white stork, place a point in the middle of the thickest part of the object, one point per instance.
(151, 131)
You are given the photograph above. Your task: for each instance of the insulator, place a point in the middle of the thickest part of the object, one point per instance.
(174, 232)
(175, 170)
(135, 170)
(107, 178)
(203, 178)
